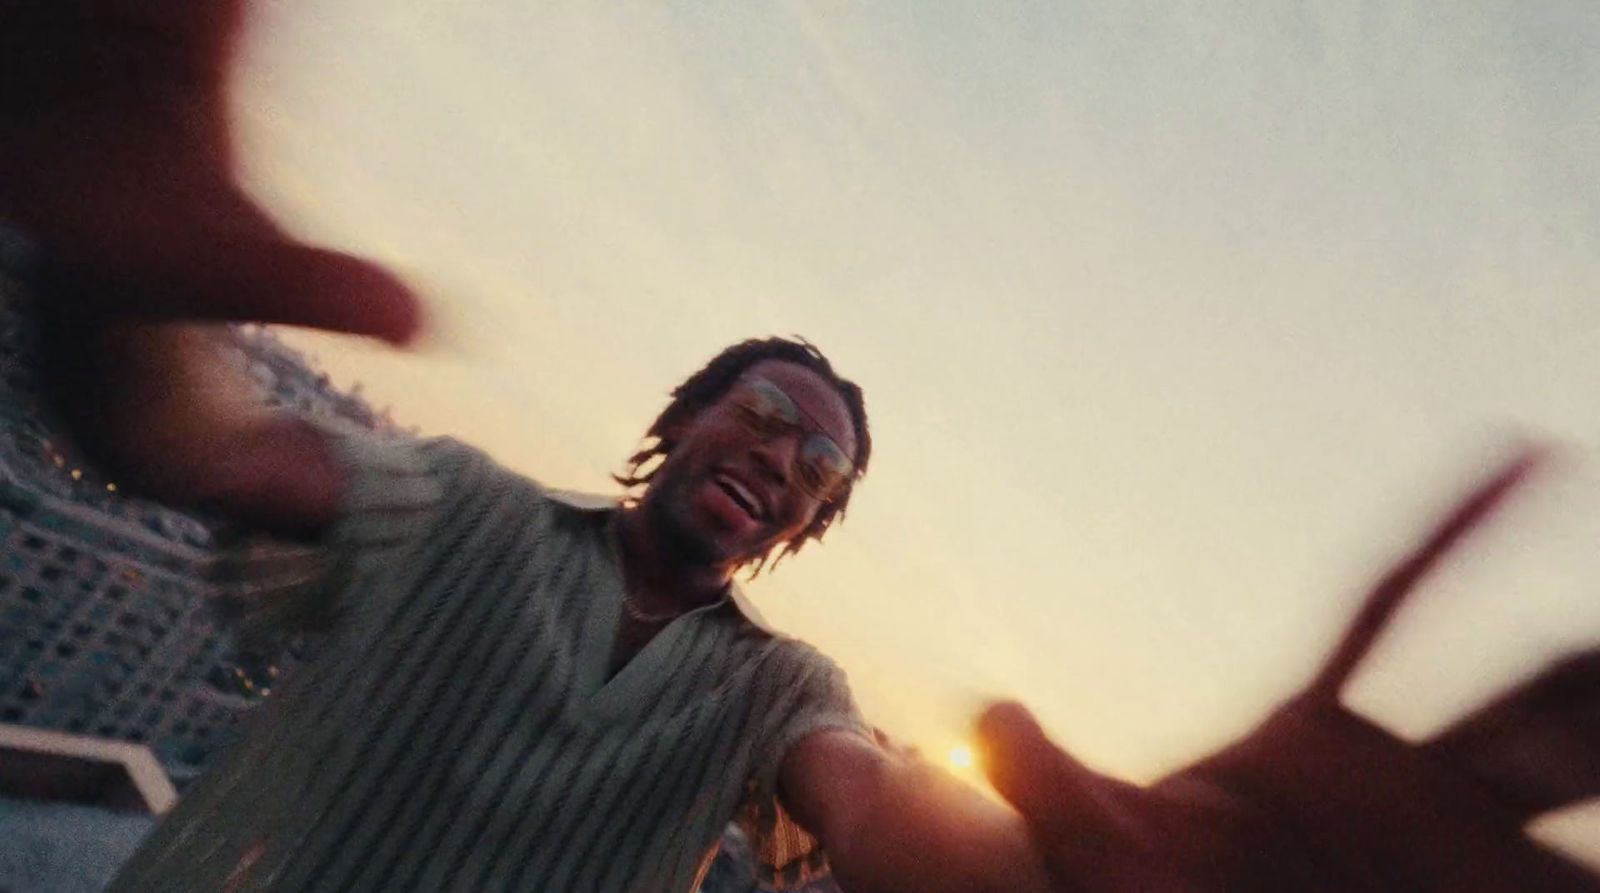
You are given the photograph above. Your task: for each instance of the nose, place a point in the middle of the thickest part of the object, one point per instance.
(774, 457)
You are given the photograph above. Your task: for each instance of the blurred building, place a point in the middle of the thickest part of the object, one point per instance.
(104, 623)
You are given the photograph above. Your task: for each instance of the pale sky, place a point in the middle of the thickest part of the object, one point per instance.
(1176, 321)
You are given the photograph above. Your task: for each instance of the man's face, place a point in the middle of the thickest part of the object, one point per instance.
(732, 487)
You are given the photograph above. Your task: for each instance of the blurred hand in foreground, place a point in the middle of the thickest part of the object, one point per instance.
(1318, 799)
(116, 141)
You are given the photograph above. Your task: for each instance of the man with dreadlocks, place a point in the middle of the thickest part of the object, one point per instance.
(518, 693)
(820, 461)
(521, 693)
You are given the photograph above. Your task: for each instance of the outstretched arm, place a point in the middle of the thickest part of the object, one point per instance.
(1315, 799)
(890, 823)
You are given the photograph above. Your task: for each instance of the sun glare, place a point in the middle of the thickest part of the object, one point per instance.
(961, 757)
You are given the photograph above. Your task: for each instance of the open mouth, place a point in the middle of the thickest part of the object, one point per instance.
(742, 496)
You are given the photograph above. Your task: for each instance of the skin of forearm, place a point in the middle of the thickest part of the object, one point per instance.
(918, 829)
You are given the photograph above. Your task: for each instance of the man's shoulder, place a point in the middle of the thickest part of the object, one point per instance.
(791, 658)
(580, 500)
(467, 464)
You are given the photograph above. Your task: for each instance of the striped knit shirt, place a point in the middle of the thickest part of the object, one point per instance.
(459, 729)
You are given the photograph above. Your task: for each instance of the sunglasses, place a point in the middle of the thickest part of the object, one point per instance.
(820, 465)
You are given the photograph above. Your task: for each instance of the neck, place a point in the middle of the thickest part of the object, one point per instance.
(656, 574)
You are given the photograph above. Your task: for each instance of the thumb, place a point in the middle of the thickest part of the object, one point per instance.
(248, 278)
(1061, 799)
(296, 284)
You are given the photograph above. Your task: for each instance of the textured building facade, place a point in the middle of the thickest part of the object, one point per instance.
(105, 627)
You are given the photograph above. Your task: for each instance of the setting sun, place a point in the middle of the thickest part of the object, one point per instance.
(961, 757)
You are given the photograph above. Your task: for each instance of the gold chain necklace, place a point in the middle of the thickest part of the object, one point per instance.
(630, 607)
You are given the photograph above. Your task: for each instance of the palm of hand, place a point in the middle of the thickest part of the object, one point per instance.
(1318, 799)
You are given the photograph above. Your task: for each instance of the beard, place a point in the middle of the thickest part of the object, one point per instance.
(670, 516)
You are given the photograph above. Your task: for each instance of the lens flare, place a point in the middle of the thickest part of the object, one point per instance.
(961, 757)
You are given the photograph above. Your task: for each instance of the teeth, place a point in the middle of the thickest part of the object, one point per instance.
(743, 493)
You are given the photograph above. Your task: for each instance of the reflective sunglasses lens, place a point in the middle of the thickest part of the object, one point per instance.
(825, 466)
(774, 402)
(757, 412)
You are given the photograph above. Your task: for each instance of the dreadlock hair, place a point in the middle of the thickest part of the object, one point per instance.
(708, 385)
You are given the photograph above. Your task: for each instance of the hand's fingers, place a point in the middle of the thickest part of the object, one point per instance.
(81, 64)
(326, 290)
(1391, 590)
(114, 128)
(266, 279)
(200, 36)
(1538, 745)
(142, 223)
(1061, 799)
(181, 241)
(1570, 683)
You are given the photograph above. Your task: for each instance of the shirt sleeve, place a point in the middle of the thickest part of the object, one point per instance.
(395, 487)
(786, 856)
